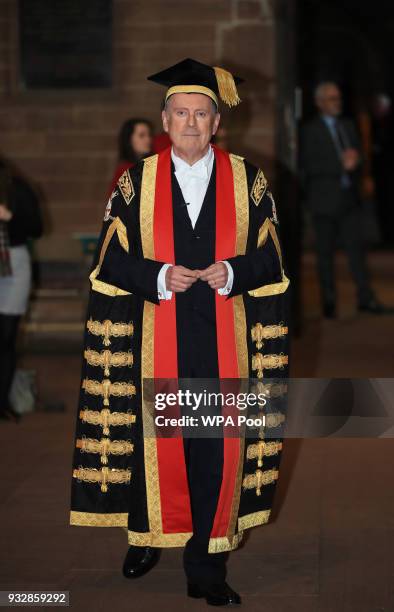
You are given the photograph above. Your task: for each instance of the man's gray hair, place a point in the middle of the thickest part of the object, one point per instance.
(319, 89)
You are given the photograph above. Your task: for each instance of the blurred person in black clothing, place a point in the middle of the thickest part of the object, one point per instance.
(20, 219)
(330, 163)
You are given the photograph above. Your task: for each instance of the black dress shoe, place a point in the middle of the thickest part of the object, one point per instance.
(374, 307)
(139, 560)
(329, 310)
(215, 595)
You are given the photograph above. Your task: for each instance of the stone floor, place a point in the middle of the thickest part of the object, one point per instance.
(329, 547)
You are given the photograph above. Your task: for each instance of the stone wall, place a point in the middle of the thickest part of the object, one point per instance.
(65, 141)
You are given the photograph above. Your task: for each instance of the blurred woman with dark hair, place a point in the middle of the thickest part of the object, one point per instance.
(20, 219)
(135, 142)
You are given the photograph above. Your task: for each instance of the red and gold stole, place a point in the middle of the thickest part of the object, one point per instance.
(167, 489)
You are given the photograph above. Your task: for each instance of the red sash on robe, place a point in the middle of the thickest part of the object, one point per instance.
(174, 492)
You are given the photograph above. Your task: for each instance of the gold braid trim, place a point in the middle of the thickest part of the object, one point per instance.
(106, 359)
(193, 89)
(147, 206)
(225, 543)
(107, 419)
(241, 201)
(261, 448)
(104, 476)
(92, 519)
(105, 288)
(97, 285)
(107, 388)
(160, 540)
(273, 288)
(108, 329)
(170, 540)
(259, 479)
(260, 332)
(105, 447)
(254, 519)
(262, 362)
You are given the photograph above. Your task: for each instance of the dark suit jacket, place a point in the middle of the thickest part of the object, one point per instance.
(321, 169)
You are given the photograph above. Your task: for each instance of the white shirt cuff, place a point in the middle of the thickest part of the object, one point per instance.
(227, 288)
(162, 291)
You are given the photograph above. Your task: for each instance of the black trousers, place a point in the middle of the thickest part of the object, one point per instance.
(345, 224)
(204, 461)
(8, 336)
(203, 449)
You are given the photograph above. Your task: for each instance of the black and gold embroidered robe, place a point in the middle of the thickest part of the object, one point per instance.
(122, 474)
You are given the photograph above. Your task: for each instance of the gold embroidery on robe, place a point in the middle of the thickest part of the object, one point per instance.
(107, 360)
(260, 332)
(105, 447)
(106, 388)
(126, 186)
(262, 362)
(259, 187)
(259, 479)
(108, 329)
(263, 421)
(104, 476)
(262, 448)
(269, 389)
(107, 419)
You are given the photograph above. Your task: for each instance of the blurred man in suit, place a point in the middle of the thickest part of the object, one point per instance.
(330, 167)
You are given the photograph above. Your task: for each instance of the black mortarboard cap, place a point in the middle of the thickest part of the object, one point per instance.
(190, 76)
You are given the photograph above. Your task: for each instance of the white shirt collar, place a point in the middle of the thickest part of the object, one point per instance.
(181, 165)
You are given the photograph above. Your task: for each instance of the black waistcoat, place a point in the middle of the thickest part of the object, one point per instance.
(195, 308)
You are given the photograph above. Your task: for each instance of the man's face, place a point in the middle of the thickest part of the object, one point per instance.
(190, 121)
(330, 101)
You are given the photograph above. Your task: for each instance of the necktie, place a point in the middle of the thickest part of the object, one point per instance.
(340, 136)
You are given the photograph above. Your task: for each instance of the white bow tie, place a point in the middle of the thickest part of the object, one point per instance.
(199, 172)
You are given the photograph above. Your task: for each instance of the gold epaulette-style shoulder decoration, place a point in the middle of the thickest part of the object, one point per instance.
(262, 448)
(106, 359)
(126, 186)
(259, 479)
(259, 187)
(260, 332)
(107, 329)
(105, 447)
(106, 388)
(103, 476)
(106, 419)
(262, 362)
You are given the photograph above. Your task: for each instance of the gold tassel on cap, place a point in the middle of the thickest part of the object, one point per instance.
(226, 85)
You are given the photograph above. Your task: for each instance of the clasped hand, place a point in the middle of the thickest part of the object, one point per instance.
(179, 278)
